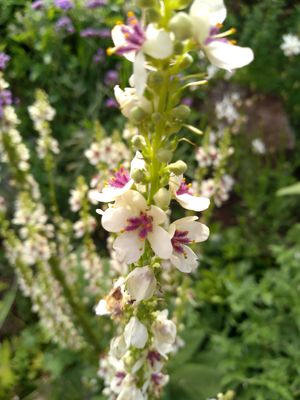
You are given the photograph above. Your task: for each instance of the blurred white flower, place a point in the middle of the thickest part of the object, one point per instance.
(290, 45)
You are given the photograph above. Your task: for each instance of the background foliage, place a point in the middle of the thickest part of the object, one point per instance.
(243, 333)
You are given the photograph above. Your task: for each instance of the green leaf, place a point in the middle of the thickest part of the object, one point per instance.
(6, 303)
(289, 190)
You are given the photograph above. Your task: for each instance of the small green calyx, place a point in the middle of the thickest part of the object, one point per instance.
(138, 142)
(164, 155)
(178, 168)
(155, 79)
(139, 176)
(137, 114)
(187, 61)
(181, 112)
(181, 26)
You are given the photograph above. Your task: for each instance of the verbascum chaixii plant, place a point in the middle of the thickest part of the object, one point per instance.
(138, 211)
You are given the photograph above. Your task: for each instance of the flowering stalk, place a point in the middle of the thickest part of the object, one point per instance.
(138, 214)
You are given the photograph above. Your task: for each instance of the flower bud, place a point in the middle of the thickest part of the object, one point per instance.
(181, 112)
(178, 167)
(135, 333)
(164, 333)
(178, 48)
(138, 141)
(181, 25)
(187, 61)
(138, 175)
(162, 198)
(137, 114)
(164, 155)
(156, 117)
(141, 283)
(118, 347)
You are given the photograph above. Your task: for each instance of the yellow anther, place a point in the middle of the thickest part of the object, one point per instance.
(219, 25)
(232, 42)
(119, 22)
(110, 51)
(130, 14)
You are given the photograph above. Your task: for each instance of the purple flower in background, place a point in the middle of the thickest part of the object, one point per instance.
(105, 33)
(90, 32)
(65, 24)
(5, 100)
(64, 4)
(4, 58)
(188, 101)
(111, 103)
(37, 4)
(111, 77)
(99, 56)
(95, 3)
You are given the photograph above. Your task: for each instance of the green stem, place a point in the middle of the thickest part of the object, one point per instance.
(75, 305)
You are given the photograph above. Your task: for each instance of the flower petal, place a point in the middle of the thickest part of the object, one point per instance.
(101, 308)
(110, 193)
(159, 216)
(214, 11)
(160, 242)
(228, 56)
(140, 73)
(141, 283)
(120, 41)
(114, 219)
(132, 199)
(186, 262)
(158, 43)
(194, 203)
(129, 247)
(135, 333)
(196, 231)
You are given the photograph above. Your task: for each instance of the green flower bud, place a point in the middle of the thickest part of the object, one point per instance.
(162, 198)
(187, 61)
(152, 15)
(178, 48)
(181, 112)
(146, 3)
(156, 117)
(138, 142)
(164, 155)
(137, 114)
(181, 25)
(138, 175)
(178, 168)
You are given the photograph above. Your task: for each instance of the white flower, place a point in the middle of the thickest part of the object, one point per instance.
(141, 283)
(290, 45)
(136, 222)
(186, 231)
(135, 333)
(115, 301)
(134, 42)
(128, 100)
(164, 333)
(184, 195)
(118, 347)
(207, 17)
(258, 146)
(120, 183)
(129, 390)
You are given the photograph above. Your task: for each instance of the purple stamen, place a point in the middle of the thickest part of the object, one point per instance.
(184, 188)
(153, 357)
(215, 30)
(134, 36)
(120, 179)
(143, 224)
(179, 239)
